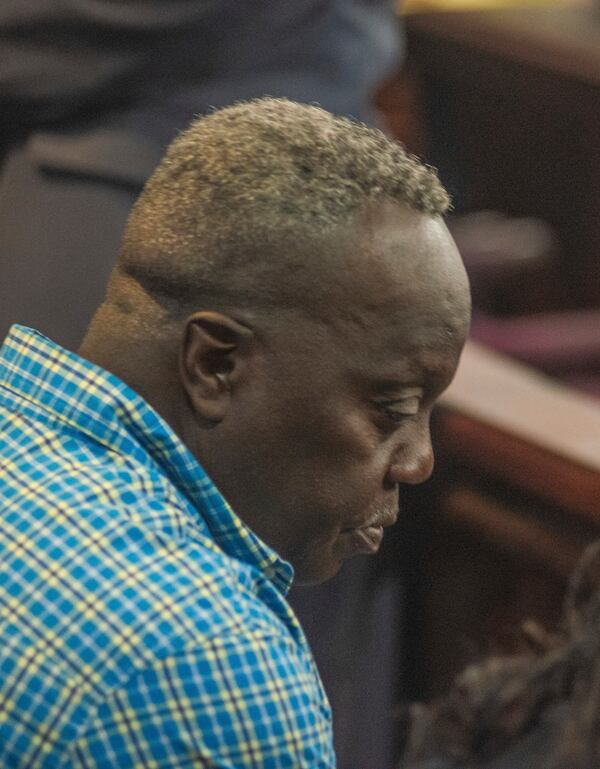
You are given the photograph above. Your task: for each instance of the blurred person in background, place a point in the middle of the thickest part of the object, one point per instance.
(538, 710)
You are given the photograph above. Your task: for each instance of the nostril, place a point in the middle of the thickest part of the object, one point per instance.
(389, 484)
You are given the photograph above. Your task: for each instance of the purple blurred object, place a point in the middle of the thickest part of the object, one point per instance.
(518, 297)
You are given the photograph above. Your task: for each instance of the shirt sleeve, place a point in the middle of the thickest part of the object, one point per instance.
(236, 703)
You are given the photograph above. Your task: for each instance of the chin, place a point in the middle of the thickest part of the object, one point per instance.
(313, 571)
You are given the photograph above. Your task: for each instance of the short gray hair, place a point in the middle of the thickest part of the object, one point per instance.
(254, 182)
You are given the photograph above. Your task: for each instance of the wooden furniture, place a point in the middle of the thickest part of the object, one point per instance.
(514, 500)
(511, 105)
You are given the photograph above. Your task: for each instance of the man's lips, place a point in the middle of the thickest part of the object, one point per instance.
(367, 539)
(381, 520)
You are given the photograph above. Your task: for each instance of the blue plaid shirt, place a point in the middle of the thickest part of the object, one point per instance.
(141, 623)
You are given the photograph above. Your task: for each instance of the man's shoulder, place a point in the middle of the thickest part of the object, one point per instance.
(59, 476)
(114, 554)
(107, 571)
(96, 511)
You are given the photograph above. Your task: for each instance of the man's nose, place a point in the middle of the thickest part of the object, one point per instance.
(413, 462)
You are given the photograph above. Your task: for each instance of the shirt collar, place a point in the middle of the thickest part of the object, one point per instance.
(102, 406)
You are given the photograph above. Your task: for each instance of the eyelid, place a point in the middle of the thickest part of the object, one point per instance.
(408, 406)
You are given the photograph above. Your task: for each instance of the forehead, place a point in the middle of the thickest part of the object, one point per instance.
(403, 257)
(402, 298)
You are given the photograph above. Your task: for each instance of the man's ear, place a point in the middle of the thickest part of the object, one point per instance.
(212, 356)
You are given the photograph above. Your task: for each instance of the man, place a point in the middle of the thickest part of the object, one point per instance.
(91, 94)
(286, 308)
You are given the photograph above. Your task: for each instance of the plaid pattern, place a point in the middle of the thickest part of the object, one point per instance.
(141, 623)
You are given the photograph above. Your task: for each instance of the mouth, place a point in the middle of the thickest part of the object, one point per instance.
(367, 539)
(380, 520)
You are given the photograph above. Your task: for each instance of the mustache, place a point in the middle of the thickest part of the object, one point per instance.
(383, 516)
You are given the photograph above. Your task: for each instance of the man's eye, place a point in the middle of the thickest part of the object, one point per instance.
(399, 410)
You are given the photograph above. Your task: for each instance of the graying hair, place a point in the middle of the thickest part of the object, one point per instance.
(245, 187)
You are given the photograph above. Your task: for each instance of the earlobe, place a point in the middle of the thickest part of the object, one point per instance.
(212, 353)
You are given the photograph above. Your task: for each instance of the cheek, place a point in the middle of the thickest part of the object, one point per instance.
(318, 451)
(341, 490)
(352, 455)
(345, 435)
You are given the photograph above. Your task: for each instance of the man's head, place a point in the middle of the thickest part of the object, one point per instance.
(289, 299)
